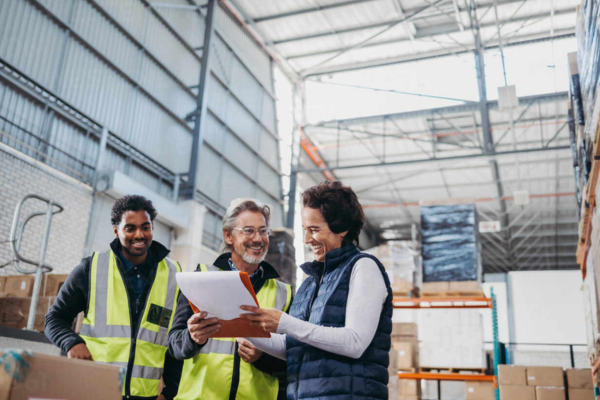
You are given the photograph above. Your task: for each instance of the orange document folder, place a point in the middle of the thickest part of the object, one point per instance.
(239, 327)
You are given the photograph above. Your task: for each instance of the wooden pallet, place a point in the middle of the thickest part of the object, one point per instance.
(469, 293)
(453, 370)
(408, 370)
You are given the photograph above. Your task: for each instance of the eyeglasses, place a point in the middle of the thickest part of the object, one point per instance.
(250, 232)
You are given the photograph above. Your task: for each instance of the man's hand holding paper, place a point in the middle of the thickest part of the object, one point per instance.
(216, 298)
(201, 328)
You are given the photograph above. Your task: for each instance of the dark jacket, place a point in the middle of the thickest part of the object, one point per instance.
(314, 373)
(182, 347)
(73, 298)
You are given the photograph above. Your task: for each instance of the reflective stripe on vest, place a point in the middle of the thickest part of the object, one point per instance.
(208, 375)
(107, 331)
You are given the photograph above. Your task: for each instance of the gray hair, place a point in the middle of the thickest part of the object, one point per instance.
(237, 207)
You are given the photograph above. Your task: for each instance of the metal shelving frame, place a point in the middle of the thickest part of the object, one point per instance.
(456, 302)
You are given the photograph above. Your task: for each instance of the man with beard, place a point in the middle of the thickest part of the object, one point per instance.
(226, 368)
(129, 294)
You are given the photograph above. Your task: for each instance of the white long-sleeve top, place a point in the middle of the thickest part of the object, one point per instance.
(366, 296)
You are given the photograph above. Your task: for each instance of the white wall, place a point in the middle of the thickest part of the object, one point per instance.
(548, 307)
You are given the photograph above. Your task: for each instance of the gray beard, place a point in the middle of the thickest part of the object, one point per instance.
(248, 258)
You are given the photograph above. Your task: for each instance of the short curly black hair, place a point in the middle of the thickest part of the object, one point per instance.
(131, 203)
(339, 206)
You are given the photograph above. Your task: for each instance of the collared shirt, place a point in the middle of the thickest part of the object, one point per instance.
(137, 274)
(253, 276)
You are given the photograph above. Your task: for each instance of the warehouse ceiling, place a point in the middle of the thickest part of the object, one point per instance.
(325, 36)
(397, 161)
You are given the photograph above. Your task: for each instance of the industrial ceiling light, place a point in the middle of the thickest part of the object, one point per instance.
(521, 198)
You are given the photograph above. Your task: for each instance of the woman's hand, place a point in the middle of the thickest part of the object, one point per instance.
(200, 328)
(267, 319)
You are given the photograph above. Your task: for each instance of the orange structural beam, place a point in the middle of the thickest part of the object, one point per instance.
(432, 376)
(443, 302)
(313, 153)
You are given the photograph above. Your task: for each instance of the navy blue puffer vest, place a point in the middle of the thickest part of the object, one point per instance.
(318, 374)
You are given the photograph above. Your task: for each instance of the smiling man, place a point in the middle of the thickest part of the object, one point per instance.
(129, 294)
(225, 368)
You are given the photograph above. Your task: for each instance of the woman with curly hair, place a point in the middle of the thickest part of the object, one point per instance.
(336, 338)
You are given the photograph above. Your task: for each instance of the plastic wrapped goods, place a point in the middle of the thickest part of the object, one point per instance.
(449, 237)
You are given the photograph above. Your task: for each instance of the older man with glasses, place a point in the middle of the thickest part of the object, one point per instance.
(223, 368)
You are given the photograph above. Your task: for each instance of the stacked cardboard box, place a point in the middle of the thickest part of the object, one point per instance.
(404, 355)
(549, 382)
(401, 263)
(15, 299)
(405, 342)
(282, 255)
(513, 383)
(479, 390)
(26, 375)
(430, 288)
(409, 389)
(543, 383)
(580, 384)
(591, 308)
(451, 339)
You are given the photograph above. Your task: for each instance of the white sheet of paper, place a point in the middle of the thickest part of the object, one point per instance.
(220, 294)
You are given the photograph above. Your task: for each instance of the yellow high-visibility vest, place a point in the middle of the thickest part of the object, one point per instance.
(210, 374)
(107, 327)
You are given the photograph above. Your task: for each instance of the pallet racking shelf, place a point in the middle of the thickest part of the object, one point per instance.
(455, 302)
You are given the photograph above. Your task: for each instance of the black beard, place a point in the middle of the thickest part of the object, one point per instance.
(126, 250)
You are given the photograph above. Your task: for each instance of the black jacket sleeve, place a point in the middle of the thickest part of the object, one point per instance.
(171, 374)
(181, 345)
(71, 300)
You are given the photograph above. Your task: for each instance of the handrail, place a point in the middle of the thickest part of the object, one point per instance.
(16, 243)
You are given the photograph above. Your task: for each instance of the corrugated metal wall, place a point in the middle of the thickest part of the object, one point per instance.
(128, 66)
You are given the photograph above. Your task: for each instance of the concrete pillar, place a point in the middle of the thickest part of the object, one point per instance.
(186, 247)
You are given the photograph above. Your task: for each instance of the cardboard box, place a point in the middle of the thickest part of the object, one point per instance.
(512, 375)
(465, 286)
(508, 392)
(429, 287)
(409, 387)
(14, 312)
(405, 329)
(2, 283)
(580, 378)
(581, 394)
(19, 285)
(392, 367)
(480, 391)
(406, 354)
(52, 283)
(545, 376)
(549, 393)
(31, 376)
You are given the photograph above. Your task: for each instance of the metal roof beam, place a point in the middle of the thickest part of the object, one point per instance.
(493, 105)
(307, 10)
(421, 33)
(514, 41)
(437, 159)
(466, 48)
(310, 10)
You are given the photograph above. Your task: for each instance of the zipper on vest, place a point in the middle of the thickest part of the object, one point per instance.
(316, 292)
(133, 332)
(235, 378)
